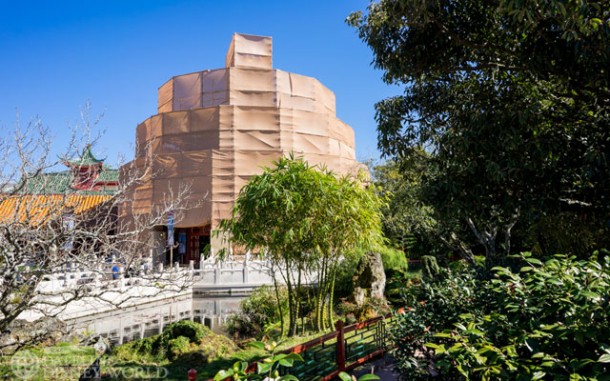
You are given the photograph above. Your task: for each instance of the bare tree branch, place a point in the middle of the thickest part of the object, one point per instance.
(57, 249)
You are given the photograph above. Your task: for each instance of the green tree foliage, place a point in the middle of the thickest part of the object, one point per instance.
(407, 220)
(539, 320)
(512, 100)
(306, 220)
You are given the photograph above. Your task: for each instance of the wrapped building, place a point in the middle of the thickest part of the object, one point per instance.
(217, 128)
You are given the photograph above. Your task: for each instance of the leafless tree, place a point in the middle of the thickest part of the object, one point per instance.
(45, 237)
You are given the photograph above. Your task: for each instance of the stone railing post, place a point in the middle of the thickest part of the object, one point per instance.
(245, 273)
(217, 274)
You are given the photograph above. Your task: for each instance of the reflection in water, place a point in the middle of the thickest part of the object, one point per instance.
(145, 320)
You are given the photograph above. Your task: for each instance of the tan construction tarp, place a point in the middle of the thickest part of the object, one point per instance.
(217, 128)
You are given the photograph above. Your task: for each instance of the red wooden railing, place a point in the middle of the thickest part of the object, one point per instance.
(341, 350)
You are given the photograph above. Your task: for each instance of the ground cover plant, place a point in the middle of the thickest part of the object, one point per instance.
(172, 355)
(64, 361)
(532, 320)
(169, 356)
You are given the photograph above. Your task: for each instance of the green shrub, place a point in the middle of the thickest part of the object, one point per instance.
(217, 346)
(146, 350)
(546, 320)
(178, 346)
(395, 266)
(193, 331)
(430, 268)
(394, 260)
(145, 346)
(258, 312)
(175, 340)
(344, 282)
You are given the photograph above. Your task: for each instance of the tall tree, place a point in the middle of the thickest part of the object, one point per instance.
(512, 100)
(407, 220)
(305, 219)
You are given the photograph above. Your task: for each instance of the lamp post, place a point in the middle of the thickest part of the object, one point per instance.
(170, 235)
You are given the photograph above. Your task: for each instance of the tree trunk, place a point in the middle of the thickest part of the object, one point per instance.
(279, 302)
(455, 243)
(331, 293)
(291, 304)
(488, 240)
(299, 293)
(320, 297)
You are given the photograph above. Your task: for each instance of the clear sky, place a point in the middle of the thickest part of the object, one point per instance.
(56, 55)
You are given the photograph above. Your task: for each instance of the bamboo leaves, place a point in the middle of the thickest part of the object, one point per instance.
(307, 219)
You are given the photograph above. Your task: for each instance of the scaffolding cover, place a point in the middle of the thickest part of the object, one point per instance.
(217, 128)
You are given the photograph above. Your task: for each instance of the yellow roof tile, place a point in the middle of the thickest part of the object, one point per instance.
(39, 209)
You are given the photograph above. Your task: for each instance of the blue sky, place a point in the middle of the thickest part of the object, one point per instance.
(56, 55)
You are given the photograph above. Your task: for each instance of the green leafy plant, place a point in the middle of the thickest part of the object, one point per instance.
(394, 260)
(430, 267)
(268, 368)
(191, 330)
(177, 347)
(365, 377)
(537, 320)
(259, 314)
(176, 340)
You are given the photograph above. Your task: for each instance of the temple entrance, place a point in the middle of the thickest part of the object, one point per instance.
(198, 243)
(191, 244)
